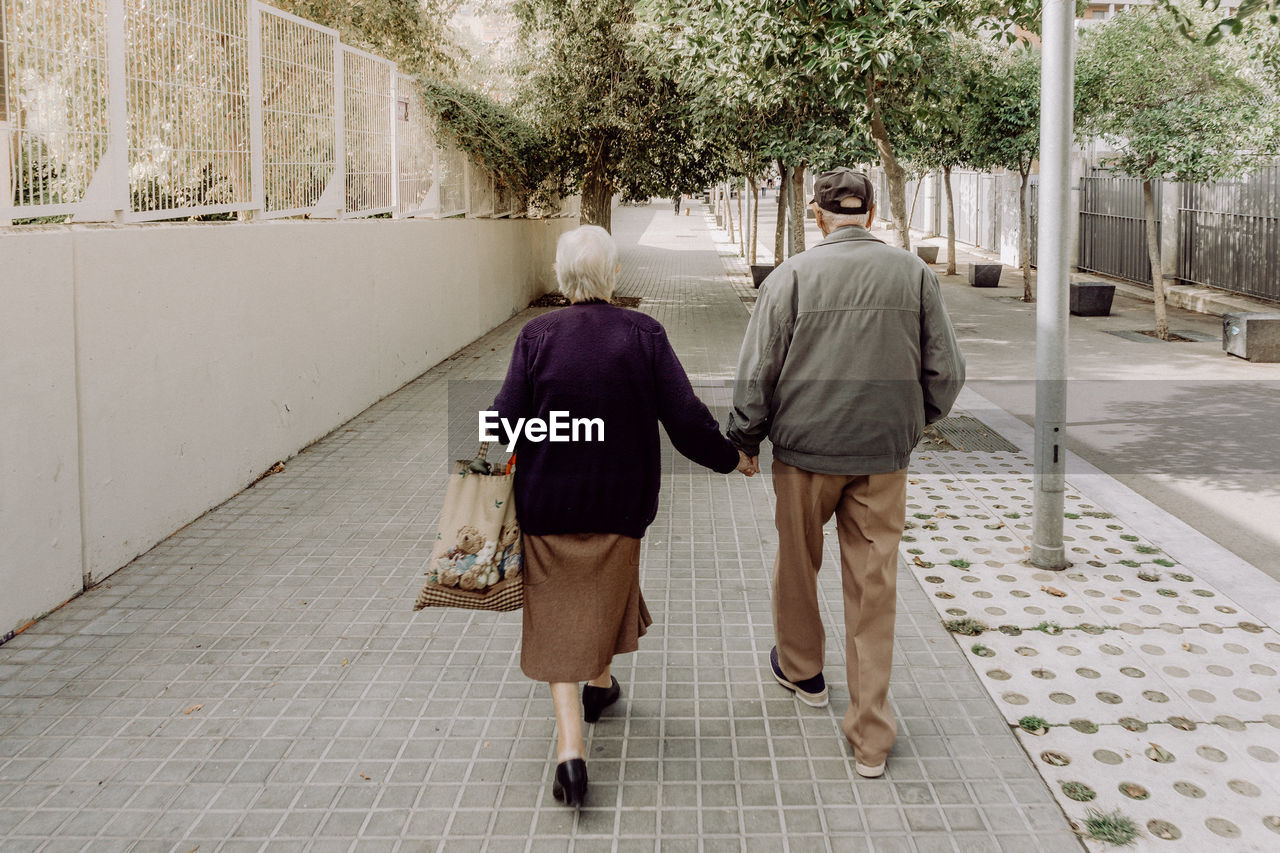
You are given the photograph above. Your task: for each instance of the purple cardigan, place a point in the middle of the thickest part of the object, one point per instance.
(594, 360)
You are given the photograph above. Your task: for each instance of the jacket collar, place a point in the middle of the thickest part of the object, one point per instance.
(849, 232)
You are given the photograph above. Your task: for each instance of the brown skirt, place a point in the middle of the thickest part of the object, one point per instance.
(582, 604)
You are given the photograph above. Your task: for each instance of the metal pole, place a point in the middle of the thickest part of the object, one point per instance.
(1056, 83)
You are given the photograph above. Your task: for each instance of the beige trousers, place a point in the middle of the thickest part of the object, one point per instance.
(870, 511)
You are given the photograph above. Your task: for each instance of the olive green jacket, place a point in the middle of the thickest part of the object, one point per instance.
(848, 355)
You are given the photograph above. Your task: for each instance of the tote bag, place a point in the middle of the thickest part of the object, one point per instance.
(477, 559)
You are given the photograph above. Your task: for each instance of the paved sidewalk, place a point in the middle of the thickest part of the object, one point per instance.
(259, 682)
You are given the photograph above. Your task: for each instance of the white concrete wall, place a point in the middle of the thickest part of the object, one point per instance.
(40, 547)
(149, 373)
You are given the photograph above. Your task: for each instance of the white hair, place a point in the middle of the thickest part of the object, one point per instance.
(841, 220)
(587, 264)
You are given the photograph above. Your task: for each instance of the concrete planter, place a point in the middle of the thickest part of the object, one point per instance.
(985, 275)
(1252, 335)
(719, 221)
(759, 272)
(1091, 298)
(928, 254)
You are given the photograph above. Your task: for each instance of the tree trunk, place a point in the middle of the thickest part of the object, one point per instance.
(797, 208)
(780, 235)
(892, 169)
(1024, 238)
(597, 199)
(915, 198)
(742, 222)
(951, 222)
(755, 221)
(1153, 253)
(728, 213)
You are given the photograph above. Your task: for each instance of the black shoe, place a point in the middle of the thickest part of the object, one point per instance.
(596, 699)
(811, 691)
(570, 786)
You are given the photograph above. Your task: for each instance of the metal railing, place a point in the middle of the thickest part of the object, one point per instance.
(1113, 237)
(137, 110)
(1229, 233)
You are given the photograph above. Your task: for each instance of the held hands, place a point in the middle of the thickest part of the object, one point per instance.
(748, 465)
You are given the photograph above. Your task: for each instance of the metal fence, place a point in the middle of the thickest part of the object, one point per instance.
(134, 110)
(1113, 237)
(1229, 233)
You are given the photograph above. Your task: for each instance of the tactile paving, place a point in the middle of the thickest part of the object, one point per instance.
(1126, 648)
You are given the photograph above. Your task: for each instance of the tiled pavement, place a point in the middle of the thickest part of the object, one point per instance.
(259, 682)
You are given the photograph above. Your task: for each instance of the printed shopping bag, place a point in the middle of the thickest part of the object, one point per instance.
(477, 559)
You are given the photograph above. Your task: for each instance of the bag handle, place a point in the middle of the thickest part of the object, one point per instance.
(480, 464)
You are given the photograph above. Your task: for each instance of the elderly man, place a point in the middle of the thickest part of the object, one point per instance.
(848, 356)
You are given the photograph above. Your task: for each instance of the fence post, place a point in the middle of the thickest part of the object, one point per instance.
(257, 193)
(466, 185)
(394, 91)
(7, 184)
(338, 183)
(117, 155)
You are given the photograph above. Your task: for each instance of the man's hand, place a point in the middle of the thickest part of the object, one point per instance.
(748, 465)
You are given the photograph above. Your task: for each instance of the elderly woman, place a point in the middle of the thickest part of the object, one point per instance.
(584, 504)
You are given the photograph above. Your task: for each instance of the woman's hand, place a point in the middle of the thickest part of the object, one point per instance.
(748, 465)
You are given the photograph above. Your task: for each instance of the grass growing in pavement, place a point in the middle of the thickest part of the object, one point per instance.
(967, 626)
(1050, 628)
(1112, 827)
(961, 563)
(981, 650)
(1161, 561)
(1146, 549)
(1148, 576)
(1078, 791)
(1033, 724)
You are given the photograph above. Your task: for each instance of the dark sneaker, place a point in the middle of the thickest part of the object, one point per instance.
(811, 691)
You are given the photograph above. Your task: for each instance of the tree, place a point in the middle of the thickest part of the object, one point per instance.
(1001, 127)
(823, 66)
(933, 138)
(608, 114)
(1173, 109)
(740, 62)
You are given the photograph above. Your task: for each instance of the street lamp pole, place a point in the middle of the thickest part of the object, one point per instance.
(1054, 239)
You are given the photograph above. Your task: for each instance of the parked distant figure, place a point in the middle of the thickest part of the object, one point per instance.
(583, 505)
(848, 355)
(676, 201)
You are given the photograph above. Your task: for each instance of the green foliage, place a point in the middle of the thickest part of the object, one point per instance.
(411, 33)
(1172, 108)
(1247, 12)
(1001, 121)
(492, 133)
(612, 119)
